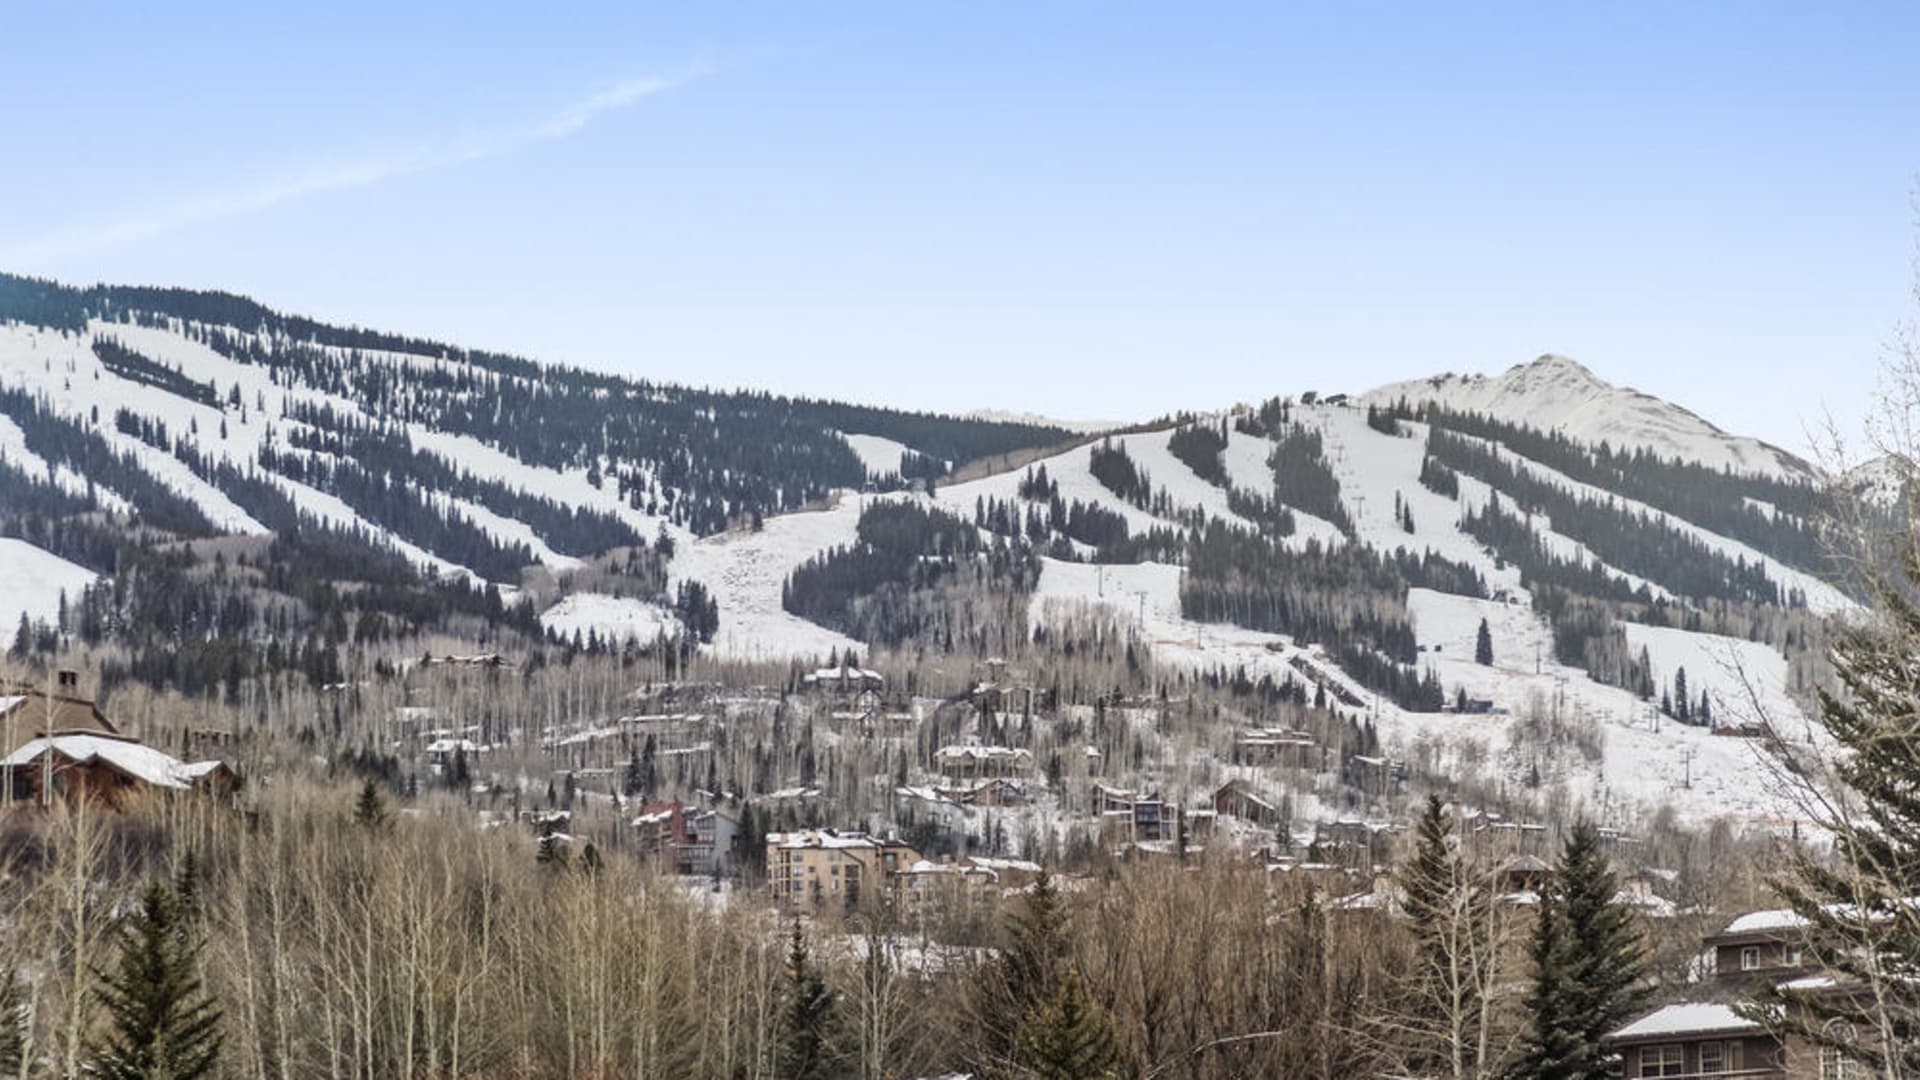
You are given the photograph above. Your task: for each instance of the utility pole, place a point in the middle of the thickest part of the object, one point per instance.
(46, 750)
(1686, 762)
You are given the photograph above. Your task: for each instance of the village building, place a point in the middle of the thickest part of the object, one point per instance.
(1237, 798)
(962, 884)
(835, 868)
(61, 747)
(1124, 815)
(686, 838)
(1279, 746)
(1713, 1035)
(843, 679)
(959, 763)
(28, 711)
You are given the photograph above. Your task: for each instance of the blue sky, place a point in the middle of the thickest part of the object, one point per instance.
(1104, 210)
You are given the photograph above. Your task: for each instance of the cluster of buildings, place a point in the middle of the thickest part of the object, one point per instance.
(821, 869)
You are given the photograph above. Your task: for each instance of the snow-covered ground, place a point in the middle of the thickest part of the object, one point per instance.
(618, 617)
(879, 454)
(745, 570)
(32, 582)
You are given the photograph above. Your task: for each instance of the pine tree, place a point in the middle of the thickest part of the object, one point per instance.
(1033, 957)
(13, 1023)
(1069, 1037)
(806, 1047)
(1680, 699)
(1588, 961)
(369, 810)
(1483, 645)
(1856, 898)
(163, 1026)
(1455, 926)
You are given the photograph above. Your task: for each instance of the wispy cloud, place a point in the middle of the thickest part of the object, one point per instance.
(154, 221)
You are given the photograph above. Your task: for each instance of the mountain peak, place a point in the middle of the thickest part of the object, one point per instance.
(1557, 364)
(1561, 394)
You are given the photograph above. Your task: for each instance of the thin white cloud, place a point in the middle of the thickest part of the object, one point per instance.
(155, 221)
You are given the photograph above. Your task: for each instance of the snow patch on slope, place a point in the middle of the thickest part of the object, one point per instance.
(615, 617)
(32, 582)
(745, 571)
(879, 454)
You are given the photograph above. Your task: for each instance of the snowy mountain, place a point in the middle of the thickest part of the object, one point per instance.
(1352, 548)
(1556, 393)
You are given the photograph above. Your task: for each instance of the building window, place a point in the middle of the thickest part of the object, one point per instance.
(1713, 1057)
(1663, 1061)
(1750, 958)
(1793, 956)
(1833, 1064)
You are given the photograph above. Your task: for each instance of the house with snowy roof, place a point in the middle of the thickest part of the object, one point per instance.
(60, 746)
(110, 769)
(978, 762)
(1720, 1033)
(844, 679)
(835, 867)
(687, 839)
(1237, 798)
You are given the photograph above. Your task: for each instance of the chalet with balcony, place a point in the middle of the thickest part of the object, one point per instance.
(1717, 1036)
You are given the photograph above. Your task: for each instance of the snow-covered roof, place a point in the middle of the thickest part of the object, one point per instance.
(1692, 1018)
(981, 753)
(448, 746)
(136, 759)
(1654, 907)
(1761, 922)
(1021, 865)
(826, 839)
(843, 674)
(795, 793)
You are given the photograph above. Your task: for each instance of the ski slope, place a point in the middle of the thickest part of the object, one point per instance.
(32, 583)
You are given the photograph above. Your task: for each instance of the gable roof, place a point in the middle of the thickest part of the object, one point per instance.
(26, 707)
(1692, 1018)
(125, 755)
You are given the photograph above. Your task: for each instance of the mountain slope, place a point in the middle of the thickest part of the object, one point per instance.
(262, 491)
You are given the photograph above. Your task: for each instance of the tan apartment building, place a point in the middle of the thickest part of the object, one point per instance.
(835, 868)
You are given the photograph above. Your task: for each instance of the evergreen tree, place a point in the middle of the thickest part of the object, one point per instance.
(163, 1026)
(1458, 961)
(806, 1049)
(369, 810)
(1856, 899)
(1033, 957)
(1036, 954)
(1681, 701)
(13, 1023)
(1069, 1037)
(551, 850)
(1483, 645)
(1588, 960)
